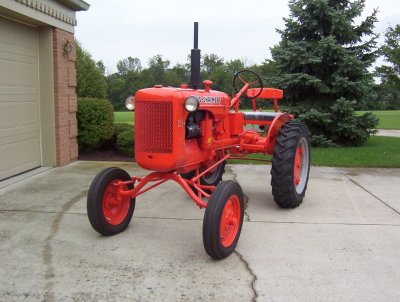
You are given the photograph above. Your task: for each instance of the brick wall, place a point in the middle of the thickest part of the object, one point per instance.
(65, 99)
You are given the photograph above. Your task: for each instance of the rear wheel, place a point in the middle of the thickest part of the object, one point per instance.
(212, 178)
(108, 213)
(291, 165)
(223, 219)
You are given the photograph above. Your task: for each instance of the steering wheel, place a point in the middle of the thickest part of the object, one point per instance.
(247, 76)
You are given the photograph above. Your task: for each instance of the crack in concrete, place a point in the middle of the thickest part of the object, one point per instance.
(48, 250)
(246, 198)
(246, 203)
(253, 275)
(369, 192)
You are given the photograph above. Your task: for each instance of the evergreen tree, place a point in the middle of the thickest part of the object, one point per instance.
(322, 63)
(324, 54)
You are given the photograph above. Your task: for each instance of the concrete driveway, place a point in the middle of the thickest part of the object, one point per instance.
(341, 244)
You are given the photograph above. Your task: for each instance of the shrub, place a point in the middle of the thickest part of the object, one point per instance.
(125, 142)
(338, 126)
(121, 127)
(118, 128)
(95, 122)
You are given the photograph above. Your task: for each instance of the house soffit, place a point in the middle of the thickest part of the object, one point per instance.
(57, 11)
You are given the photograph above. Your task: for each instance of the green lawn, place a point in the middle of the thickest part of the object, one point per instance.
(389, 119)
(377, 152)
(127, 117)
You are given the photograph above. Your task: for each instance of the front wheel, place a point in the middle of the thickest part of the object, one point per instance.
(108, 213)
(223, 219)
(291, 165)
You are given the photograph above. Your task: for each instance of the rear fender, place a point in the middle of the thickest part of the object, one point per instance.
(274, 129)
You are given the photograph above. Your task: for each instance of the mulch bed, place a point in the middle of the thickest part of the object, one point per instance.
(104, 155)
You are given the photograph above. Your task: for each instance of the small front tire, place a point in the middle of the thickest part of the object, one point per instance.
(108, 214)
(223, 219)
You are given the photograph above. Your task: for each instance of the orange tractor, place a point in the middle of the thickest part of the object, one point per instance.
(186, 135)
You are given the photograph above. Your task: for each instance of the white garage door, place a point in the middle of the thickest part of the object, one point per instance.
(19, 98)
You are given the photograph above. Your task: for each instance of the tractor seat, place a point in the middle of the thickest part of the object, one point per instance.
(260, 116)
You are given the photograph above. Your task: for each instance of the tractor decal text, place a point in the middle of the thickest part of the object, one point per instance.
(208, 99)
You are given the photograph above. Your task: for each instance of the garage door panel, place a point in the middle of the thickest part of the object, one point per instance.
(27, 156)
(27, 74)
(20, 110)
(28, 114)
(20, 148)
(26, 38)
(15, 95)
(22, 73)
(5, 92)
(18, 52)
(7, 32)
(9, 115)
(8, 74)
(19, 152)
(11, 56)
(18, 38)
(13, 135)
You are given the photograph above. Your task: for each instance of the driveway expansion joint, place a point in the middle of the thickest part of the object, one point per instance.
(326, 223)
(369, 192)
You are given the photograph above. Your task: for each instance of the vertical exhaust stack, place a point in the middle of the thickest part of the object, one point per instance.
(195, 60)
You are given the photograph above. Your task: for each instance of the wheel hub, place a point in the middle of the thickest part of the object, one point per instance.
(298, 160)
(230, 221)
(115, 207)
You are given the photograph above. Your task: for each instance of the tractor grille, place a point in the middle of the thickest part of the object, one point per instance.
(154, 127)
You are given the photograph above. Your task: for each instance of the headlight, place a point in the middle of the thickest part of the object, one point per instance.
(191, 104)
(130, 103)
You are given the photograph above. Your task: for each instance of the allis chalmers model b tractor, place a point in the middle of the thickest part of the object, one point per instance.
(186, 135)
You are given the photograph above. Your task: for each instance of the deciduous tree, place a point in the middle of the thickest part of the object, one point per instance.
(90, 75)
(389, 89)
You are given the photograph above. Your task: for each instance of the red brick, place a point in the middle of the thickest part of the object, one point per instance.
(65, 98)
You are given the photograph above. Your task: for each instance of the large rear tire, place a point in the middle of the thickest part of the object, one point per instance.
(212, 178)
(223, 219)
(291, 165)
(108, 214)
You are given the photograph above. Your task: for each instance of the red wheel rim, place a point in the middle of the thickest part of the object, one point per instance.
(230, 221)
(115, 208)
(298, 160)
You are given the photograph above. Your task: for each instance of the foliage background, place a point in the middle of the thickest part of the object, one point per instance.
(323, 63)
